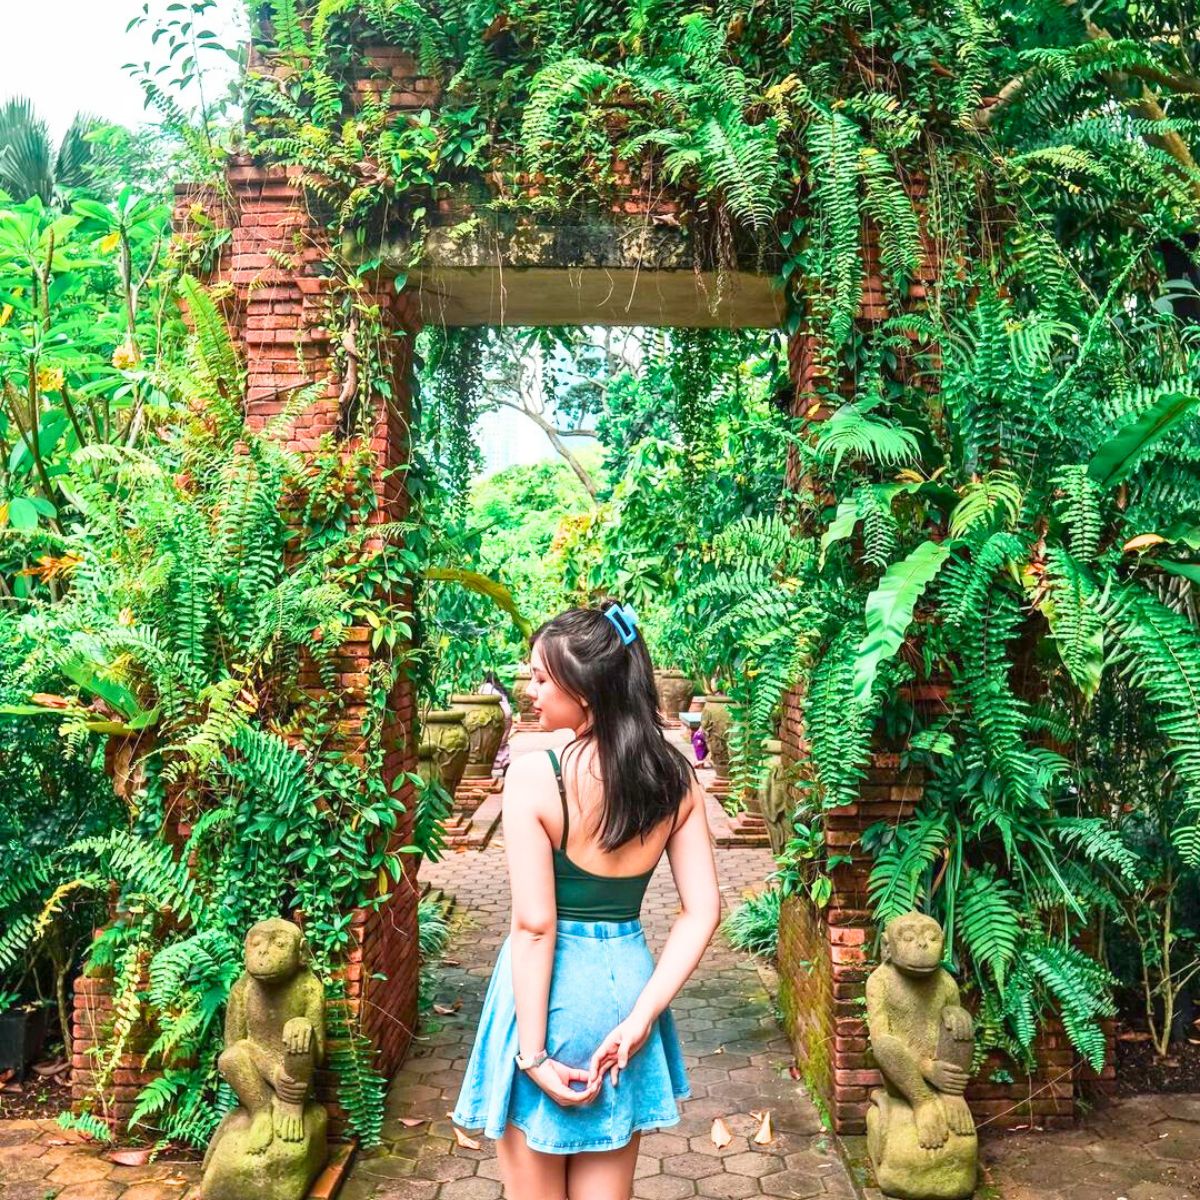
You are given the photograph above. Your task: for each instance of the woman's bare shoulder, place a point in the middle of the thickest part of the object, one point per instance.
(528, 773)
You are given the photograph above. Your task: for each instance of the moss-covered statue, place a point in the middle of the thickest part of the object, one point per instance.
(920, 1133)
(273, 1146)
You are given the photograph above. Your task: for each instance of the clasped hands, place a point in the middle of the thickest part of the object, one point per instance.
(611, 1058)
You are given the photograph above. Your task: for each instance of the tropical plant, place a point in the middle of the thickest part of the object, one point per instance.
(754, 925)
(31, 166)
(189, 631)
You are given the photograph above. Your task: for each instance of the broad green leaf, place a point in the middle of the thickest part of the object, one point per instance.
(1189, 571)
(23, 514)
(494, 591)
(1114, 459)
(842, 525)
(95, 211)
(889, 611)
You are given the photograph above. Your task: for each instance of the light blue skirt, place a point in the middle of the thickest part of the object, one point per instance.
(600, 968)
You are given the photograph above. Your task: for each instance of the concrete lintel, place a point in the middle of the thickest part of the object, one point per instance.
(497, 268)
(501, 295)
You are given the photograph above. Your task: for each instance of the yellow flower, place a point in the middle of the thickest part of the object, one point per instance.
(50, 379)
(125, 356)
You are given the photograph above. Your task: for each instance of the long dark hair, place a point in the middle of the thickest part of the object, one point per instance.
(644, 777)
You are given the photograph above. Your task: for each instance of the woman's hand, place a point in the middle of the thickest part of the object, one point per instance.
(615, 1051)
(555, 1079)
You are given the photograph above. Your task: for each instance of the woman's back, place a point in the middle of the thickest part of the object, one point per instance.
(607, 891)
(583, 793)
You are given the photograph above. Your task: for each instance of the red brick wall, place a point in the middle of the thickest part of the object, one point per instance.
(805, 988)
(273, 295)
(825, 958)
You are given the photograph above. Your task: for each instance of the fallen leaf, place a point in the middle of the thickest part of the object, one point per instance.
(130, 1158)
(721, 1137)
(446, 1010)
(794, 1072)
(412, 1122)
(467, 1143)
(765, 1136)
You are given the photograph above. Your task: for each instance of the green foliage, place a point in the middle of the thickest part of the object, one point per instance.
(191, 630)
(754, 925)
(31, 165)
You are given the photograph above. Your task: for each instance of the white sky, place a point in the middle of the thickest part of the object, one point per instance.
(67, 55)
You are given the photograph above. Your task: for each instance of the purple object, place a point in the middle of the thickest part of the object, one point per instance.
(700, 745)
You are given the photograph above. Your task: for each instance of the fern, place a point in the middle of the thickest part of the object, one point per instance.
(989, 923)
(899, 880)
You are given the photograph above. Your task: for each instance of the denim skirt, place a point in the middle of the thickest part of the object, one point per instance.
(600, 968)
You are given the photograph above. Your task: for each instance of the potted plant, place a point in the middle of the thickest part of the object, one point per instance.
(716, 723)
(484, 721)
(22, 1033)
(444, 746)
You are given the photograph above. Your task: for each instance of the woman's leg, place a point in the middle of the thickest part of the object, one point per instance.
(530, 1174)
(603, 1174)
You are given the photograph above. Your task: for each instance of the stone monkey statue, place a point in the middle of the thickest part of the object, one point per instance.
(273, 1145)
(920, 1133)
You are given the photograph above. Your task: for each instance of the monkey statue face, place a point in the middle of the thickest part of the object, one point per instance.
(913, 944)
(273, 950)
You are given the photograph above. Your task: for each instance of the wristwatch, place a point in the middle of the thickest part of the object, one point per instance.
(528, 1064)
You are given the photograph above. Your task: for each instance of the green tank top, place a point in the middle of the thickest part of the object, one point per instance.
(584, 896)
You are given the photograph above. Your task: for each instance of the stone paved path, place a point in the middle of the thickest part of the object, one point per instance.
(737, 1057)
(39, 1161)
(1141, 1148)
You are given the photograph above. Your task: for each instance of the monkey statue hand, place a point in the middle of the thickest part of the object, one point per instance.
(946, 1076)
(294, 1091)
(297, 1035)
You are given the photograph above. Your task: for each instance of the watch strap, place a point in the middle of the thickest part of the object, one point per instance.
(528, 1064)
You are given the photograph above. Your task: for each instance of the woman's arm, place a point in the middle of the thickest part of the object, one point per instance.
(531, 878)
(690, 852)
(527, 793)
(691, 857)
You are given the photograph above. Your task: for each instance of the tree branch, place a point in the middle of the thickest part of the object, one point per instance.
(556, 440)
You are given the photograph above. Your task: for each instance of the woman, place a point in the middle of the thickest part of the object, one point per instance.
(576, 1051)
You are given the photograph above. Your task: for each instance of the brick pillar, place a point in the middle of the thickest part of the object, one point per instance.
(277, 249)
(826, 955)
(273, 293)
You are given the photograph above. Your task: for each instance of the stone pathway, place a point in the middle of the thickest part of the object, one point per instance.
(1141, 1148)
(737, 1057)
(39, 1161)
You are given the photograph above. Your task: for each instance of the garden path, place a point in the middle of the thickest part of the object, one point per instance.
(738, 1060)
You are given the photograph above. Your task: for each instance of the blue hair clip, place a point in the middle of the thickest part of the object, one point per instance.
(623, 620)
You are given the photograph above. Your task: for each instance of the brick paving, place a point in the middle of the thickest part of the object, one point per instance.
(39, 1161)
